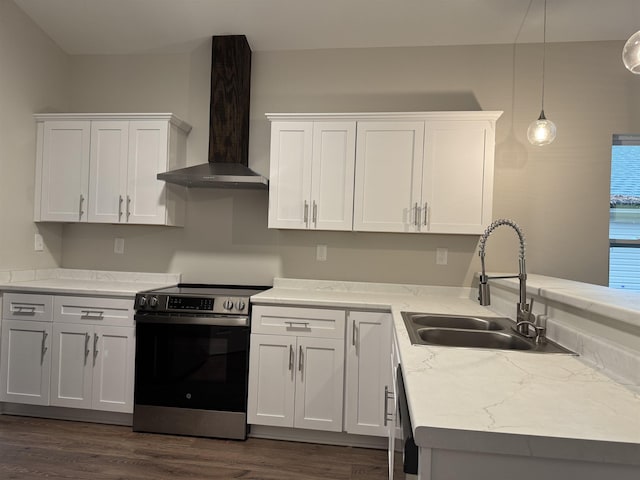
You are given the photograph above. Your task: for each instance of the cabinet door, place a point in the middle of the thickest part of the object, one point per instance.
(458, 176)
(271, 380)
(368, 372)
(26, 362)
(108, 166)
(333, 165)
(290, 175)
(113, 369)
(65, 171)
(319, 384)
(148, 149)
(388, 176)
(71, 369)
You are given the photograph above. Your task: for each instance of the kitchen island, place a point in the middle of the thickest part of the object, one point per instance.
(506, 414)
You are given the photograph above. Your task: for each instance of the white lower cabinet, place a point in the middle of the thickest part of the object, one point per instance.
(26, 362)
(301, 377)
(92, 367)
(367, 372)
(296, 368)
(296, 382)
(68, 351)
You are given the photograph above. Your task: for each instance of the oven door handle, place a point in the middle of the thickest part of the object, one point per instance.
(219, 321)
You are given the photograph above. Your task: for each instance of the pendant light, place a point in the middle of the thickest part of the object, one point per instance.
(542, 131)
(631, 53)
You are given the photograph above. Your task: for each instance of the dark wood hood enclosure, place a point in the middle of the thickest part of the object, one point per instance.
(228, 162)
(230, 93)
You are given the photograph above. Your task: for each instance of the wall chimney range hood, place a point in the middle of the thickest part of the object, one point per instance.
(228, 122)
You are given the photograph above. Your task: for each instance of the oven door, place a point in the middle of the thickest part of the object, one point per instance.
(192, 362)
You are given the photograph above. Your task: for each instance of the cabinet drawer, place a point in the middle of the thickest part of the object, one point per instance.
(26, 306)
(94, 310)
(309, 322)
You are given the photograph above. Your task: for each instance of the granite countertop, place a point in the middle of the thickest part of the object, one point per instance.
(509, 402)
(83, 282)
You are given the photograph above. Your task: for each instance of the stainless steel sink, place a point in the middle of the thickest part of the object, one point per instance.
(473, 338)
(453, 321)
(473, 332)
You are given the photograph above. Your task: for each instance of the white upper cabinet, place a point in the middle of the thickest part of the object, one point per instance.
(312, 169)
(415, 172)
(388, 175)
(101, 168)
(457, 176)
(63, 148)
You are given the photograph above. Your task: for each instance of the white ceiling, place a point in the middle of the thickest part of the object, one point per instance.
(146, 26)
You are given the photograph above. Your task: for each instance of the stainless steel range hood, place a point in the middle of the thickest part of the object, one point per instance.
(228, 122)
(216, 175)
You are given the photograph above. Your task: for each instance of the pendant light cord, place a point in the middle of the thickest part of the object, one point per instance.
(544, 50)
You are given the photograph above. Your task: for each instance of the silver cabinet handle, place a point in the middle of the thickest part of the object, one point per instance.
(128, 207)
(120, 200)
(353, 333)
(415, 214)
(300, 360)
(315, 213)
(80, 211)
(290, 357)
(44, 346)
(92, 314)
(24, 309)
(426, 205)
(95, 348)
(387, 395)
(293, 324)
(306, 213)
(86, 346)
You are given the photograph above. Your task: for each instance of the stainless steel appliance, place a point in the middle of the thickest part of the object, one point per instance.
(191, 368)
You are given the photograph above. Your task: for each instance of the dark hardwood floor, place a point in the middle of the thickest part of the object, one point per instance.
(35, 448)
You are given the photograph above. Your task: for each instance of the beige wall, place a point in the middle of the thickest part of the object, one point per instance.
(559, 194)
(33, 78)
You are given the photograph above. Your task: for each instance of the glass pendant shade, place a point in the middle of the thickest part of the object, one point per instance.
(541, 131)
(631, 53)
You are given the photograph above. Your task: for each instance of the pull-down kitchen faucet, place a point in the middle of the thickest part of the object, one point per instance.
(524, 313)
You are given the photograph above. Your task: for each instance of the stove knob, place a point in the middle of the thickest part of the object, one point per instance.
(227, 305)
(240, 305)
(153, 302)
(142, 302)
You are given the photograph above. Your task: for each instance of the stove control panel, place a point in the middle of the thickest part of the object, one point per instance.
(184, 303)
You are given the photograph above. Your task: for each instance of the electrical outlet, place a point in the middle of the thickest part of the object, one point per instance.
(321, 253)
(441, 256)
(38, 243)
(118, 246)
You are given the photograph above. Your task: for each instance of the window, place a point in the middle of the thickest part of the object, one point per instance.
(624, 213)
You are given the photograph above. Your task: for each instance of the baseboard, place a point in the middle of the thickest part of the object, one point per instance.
(317, 436)
(62, 413)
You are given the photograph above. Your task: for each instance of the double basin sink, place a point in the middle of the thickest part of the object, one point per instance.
(474, 332)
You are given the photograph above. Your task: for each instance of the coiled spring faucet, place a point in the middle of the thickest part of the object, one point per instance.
(524, 315)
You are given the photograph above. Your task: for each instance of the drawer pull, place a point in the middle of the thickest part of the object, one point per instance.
(24, 309)
(297, 324)
(92, 314)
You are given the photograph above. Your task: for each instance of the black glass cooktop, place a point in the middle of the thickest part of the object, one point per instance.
(207, 290)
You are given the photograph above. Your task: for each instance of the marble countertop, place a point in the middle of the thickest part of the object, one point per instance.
(510, 402)
(83, 282)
